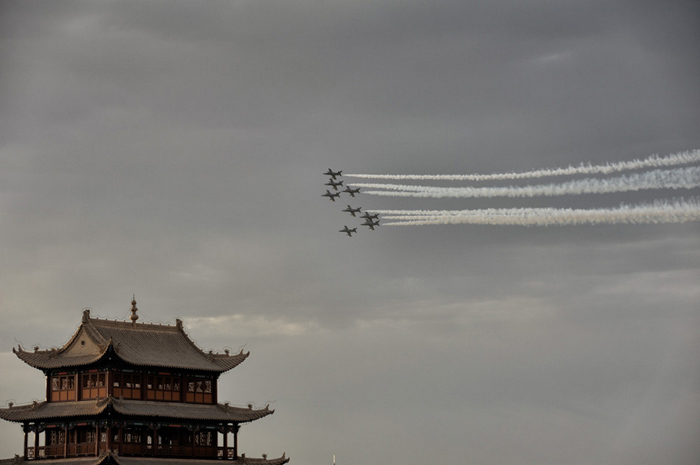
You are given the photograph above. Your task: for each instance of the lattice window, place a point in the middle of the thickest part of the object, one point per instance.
(204, 438)
(126, 385)
(92, 385)
(163, 387)
(200, 390)
(62, 388)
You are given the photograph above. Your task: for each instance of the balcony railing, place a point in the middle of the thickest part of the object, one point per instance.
(59, 451)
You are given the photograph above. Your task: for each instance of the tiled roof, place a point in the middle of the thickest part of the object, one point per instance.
(185, 411)
(136, 408)
(113, 458)
(67, 461)
(141, 344)
(53, 359)
(47, 410)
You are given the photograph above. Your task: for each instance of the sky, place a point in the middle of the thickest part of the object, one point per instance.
(175, 151)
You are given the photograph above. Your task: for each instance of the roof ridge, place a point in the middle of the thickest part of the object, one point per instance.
(92, 332)
(132, 325)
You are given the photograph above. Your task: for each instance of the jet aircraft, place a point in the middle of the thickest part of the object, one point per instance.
(333, 174)
(370, 224)
(352, 192)
(352, 211)
(369, 217)
(334, 184)
(330, 195)
(348, 231)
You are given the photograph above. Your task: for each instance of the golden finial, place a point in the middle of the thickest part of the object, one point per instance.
(134, 316)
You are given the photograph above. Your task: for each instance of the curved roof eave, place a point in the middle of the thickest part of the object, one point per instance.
(51, 359)
(55, 410)
(133, 408)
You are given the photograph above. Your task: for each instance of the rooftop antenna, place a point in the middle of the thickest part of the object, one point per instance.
(134, 309)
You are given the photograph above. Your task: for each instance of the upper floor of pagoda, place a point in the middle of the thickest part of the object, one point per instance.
(98, 341)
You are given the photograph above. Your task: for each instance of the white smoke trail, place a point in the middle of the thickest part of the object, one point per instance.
(654, 161)
(679, 211)
(679, 178)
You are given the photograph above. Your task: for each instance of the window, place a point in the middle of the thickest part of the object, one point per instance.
(126, 385)
(163, 387)
(92, 385)
(132, 436)
(199, 390)
(204, 438)
(62, 388)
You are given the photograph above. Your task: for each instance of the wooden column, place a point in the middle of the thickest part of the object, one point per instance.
(36, 441)
(26, 433)
(109, 437)
(155, 440)
(235, 442)
(225, 442)
(97, 439)
(194, 436)
(65, 442)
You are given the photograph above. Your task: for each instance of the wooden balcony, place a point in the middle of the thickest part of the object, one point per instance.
(133, 450)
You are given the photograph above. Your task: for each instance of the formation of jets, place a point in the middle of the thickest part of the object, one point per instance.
(371, 221)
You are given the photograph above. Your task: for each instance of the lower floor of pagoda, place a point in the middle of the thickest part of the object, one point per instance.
(148, 440)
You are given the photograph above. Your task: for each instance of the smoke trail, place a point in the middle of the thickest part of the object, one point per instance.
(654, 161)
(679, 211)
(679, 178)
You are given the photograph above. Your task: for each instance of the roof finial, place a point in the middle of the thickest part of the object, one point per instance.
(134, 316)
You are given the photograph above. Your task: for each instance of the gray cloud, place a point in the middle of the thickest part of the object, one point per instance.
(175, 151)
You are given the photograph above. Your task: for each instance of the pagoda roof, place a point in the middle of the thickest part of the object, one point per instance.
(113, 458)
(141, 344)
(135, 408)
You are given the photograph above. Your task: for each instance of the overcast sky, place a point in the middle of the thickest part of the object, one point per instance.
(175, 150)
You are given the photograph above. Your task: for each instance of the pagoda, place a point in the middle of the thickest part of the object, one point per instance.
(128, 393)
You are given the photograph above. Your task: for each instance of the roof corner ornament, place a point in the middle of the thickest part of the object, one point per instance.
(86, 315)
(134, 309)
